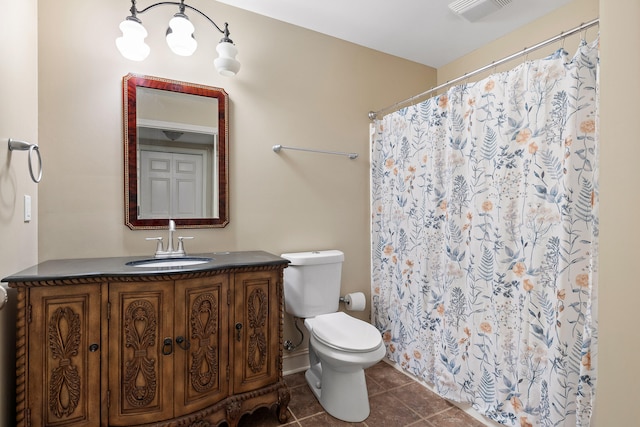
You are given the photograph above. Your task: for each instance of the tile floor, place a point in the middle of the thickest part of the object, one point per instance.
(396, 401)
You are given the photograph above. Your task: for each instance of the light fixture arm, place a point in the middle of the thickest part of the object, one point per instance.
(179, 37)
(182, 6)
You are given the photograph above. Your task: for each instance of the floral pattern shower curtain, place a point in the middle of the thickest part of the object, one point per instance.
(484, 240)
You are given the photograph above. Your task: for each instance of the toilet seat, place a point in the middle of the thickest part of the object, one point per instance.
(343, 332)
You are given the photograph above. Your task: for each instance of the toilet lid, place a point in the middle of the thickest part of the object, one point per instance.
(343, 332)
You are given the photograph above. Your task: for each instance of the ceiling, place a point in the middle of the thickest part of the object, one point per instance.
(423, 31)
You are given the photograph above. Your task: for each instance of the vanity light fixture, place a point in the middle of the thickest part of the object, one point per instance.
(179, 37)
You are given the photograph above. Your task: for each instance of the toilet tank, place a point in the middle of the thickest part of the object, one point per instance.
(312, 282)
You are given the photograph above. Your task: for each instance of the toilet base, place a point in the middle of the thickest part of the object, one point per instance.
(343, 395)
(337, 377)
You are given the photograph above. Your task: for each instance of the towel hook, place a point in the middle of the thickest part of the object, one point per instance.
(14, 144)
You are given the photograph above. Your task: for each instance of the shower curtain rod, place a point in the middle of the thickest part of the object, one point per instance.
(374, 114)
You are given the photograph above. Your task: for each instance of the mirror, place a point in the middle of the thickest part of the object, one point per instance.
(175, 153)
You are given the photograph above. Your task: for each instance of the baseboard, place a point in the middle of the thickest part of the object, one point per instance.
(295, 362)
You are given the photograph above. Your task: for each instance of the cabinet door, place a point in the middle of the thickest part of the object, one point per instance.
(64, 356)
(140, 352)
(255, 330)
(202, 346)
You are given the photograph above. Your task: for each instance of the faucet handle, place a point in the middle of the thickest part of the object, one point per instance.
(181, 244)
(159, 247)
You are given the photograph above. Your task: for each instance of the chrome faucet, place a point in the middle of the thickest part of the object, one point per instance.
(172, 228)
(170, 252)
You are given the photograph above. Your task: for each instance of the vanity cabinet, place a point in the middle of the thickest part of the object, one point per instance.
(187, 348)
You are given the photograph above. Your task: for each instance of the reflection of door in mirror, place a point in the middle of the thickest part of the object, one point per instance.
(175, 153)
(172, 185)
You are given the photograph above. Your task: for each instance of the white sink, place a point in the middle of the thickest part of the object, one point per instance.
(169, 262)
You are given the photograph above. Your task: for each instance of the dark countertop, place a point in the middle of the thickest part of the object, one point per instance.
(65, 269)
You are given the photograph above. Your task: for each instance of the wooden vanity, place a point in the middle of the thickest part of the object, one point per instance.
(102, 343)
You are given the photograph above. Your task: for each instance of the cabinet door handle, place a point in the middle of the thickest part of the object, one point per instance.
(167, 347)
(238, 331)
(182, 343)
(93, 348)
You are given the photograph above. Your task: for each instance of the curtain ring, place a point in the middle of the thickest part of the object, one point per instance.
(33, 148)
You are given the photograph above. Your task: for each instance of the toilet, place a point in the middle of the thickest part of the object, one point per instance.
(341, 347)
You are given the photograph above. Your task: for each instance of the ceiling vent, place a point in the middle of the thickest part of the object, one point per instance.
(473, 10)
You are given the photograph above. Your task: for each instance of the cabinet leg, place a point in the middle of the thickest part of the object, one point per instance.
(284, 397)
(233, 413)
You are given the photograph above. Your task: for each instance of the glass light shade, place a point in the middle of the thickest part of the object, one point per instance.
(226, 63)
(131, 45)
(180, 36)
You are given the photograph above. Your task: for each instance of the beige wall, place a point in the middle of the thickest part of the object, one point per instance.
(295, 88)
(619, 293)
(619, 344)
(18, 120)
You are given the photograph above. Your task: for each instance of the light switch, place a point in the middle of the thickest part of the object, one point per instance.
(27, 208)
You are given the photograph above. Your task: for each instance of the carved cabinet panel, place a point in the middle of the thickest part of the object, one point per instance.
(140, 352)
(255, 345)
(63, 356)
(201, 353)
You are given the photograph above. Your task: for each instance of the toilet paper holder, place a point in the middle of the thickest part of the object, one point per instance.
(355, 301)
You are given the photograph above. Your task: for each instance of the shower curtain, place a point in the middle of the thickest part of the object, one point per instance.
(484, 240)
